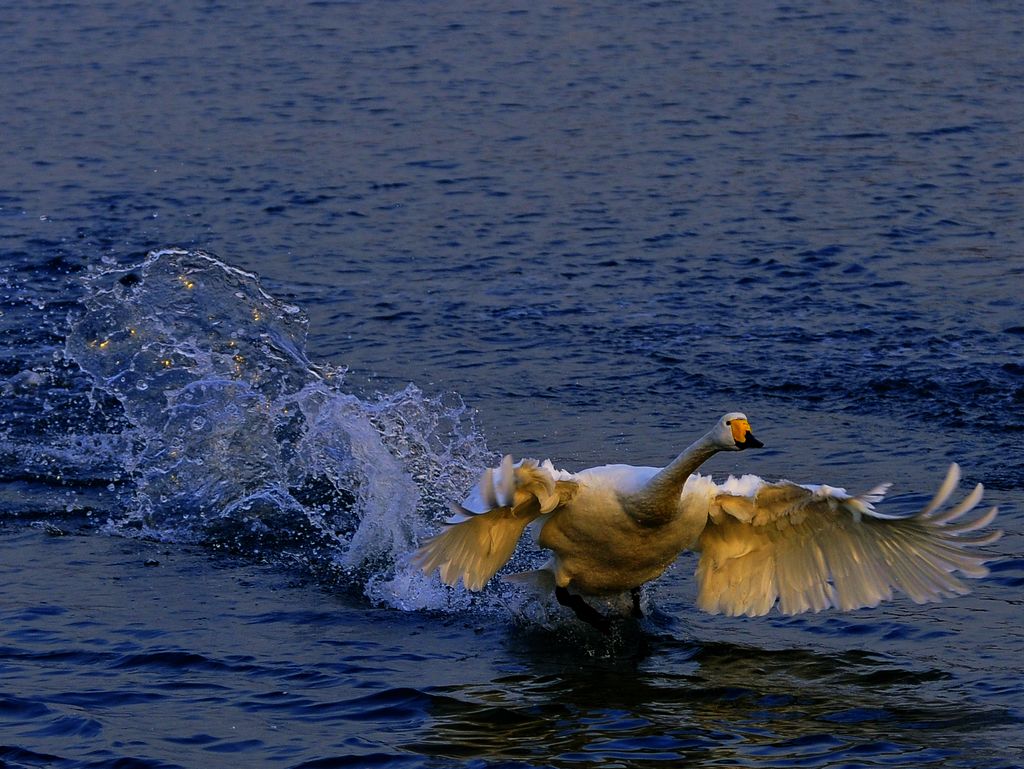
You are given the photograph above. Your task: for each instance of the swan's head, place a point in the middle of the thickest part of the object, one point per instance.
(733, 433)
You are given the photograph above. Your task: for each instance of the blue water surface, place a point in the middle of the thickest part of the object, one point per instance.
(276, 282)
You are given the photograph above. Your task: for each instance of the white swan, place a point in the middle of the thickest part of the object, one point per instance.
(615, 527)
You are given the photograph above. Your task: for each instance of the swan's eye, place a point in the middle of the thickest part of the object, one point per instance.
(728, 421)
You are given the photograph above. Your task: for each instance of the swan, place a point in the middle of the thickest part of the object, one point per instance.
(802, 547)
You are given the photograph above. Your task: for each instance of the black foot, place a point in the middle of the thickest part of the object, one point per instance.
(637, 613)
(583, 610)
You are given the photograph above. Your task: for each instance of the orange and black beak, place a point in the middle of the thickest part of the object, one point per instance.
(743, 436)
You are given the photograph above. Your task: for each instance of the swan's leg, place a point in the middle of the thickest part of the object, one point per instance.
(637, 613)
(582, 609)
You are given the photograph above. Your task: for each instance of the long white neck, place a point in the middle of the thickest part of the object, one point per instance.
(658, 501)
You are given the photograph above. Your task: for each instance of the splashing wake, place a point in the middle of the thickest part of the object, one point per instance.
(230, 436)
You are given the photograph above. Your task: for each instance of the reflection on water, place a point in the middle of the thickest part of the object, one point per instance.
(657, 698)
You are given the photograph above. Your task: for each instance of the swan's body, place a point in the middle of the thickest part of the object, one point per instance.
(602, 546)
(613, 528)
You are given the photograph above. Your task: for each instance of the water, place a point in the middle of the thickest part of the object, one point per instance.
(276, 285)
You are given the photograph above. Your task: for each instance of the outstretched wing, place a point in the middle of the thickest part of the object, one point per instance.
(815, 547)
(476, 544)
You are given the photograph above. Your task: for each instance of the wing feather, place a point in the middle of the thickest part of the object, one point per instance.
(969, 503)
(475, 545)
(808, 548)
(949, 484)
(474, 549)
(487, 491)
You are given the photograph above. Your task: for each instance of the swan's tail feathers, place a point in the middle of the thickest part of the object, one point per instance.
(474, 549)
(541, 581)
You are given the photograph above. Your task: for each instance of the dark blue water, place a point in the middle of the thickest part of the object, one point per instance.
(276, 282)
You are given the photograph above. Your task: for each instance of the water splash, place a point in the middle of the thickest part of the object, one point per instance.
(229, 436)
